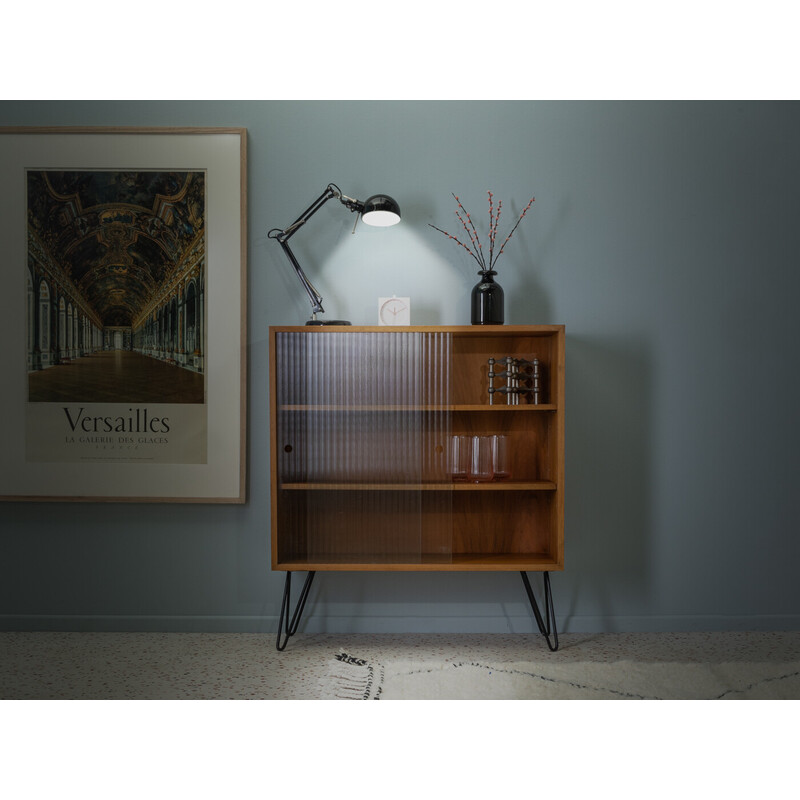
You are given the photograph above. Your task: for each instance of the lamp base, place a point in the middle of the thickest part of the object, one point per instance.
(328, 322)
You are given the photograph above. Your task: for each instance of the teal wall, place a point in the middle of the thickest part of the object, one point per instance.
(665, 237)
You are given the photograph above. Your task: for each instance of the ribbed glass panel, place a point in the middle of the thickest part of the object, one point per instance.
(364, 423)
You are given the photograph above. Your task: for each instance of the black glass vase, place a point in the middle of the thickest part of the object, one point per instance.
(487, 300)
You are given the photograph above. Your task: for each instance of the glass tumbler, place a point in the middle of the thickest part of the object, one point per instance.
(500, 458)
(481, 459)
(460, 450)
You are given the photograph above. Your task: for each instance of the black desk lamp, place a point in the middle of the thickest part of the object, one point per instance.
(379, 210)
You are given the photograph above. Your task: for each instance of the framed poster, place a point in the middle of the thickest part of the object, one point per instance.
(123, 314)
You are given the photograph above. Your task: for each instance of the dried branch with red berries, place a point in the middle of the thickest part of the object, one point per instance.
(475, 248)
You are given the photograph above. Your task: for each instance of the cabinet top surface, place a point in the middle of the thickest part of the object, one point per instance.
(463, 330)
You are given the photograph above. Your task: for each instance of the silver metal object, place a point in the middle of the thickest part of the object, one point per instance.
(522, 376)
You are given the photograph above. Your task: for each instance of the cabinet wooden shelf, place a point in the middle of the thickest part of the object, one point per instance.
(506, 486)
(482, 408)
(361, 423)
(431, 562)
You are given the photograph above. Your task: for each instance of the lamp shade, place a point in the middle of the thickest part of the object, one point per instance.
(381, 210)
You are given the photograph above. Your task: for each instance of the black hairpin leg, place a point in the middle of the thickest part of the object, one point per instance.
(285, 627)
(550, 626)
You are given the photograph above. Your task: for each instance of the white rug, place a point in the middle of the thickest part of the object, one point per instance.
(353, 678)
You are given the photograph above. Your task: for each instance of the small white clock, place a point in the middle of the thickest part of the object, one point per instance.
(394, 310)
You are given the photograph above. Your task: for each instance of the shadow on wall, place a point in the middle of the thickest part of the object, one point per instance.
(608, 458)
(607, 517)
(528, 303)
(608, 523)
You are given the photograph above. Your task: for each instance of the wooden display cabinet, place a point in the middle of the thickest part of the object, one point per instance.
(362, 422)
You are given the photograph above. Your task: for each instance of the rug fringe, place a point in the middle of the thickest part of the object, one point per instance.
(352, 678)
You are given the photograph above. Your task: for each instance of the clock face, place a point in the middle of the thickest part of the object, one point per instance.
(394, 311)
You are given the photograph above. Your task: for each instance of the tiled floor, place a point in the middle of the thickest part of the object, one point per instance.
(247, 666)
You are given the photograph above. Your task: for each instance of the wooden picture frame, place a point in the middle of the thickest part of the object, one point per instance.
(123, 283)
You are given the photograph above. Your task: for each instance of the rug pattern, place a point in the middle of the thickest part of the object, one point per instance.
(354, 678)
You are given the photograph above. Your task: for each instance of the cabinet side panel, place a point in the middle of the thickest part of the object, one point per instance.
(273, 438)
(559, 382)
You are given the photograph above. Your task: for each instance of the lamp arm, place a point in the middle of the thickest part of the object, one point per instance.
(283, 236)
(314, 295)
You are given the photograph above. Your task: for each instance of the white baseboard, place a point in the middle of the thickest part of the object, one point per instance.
(397, 624)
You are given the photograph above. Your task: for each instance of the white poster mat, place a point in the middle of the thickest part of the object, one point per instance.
(221, 154)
